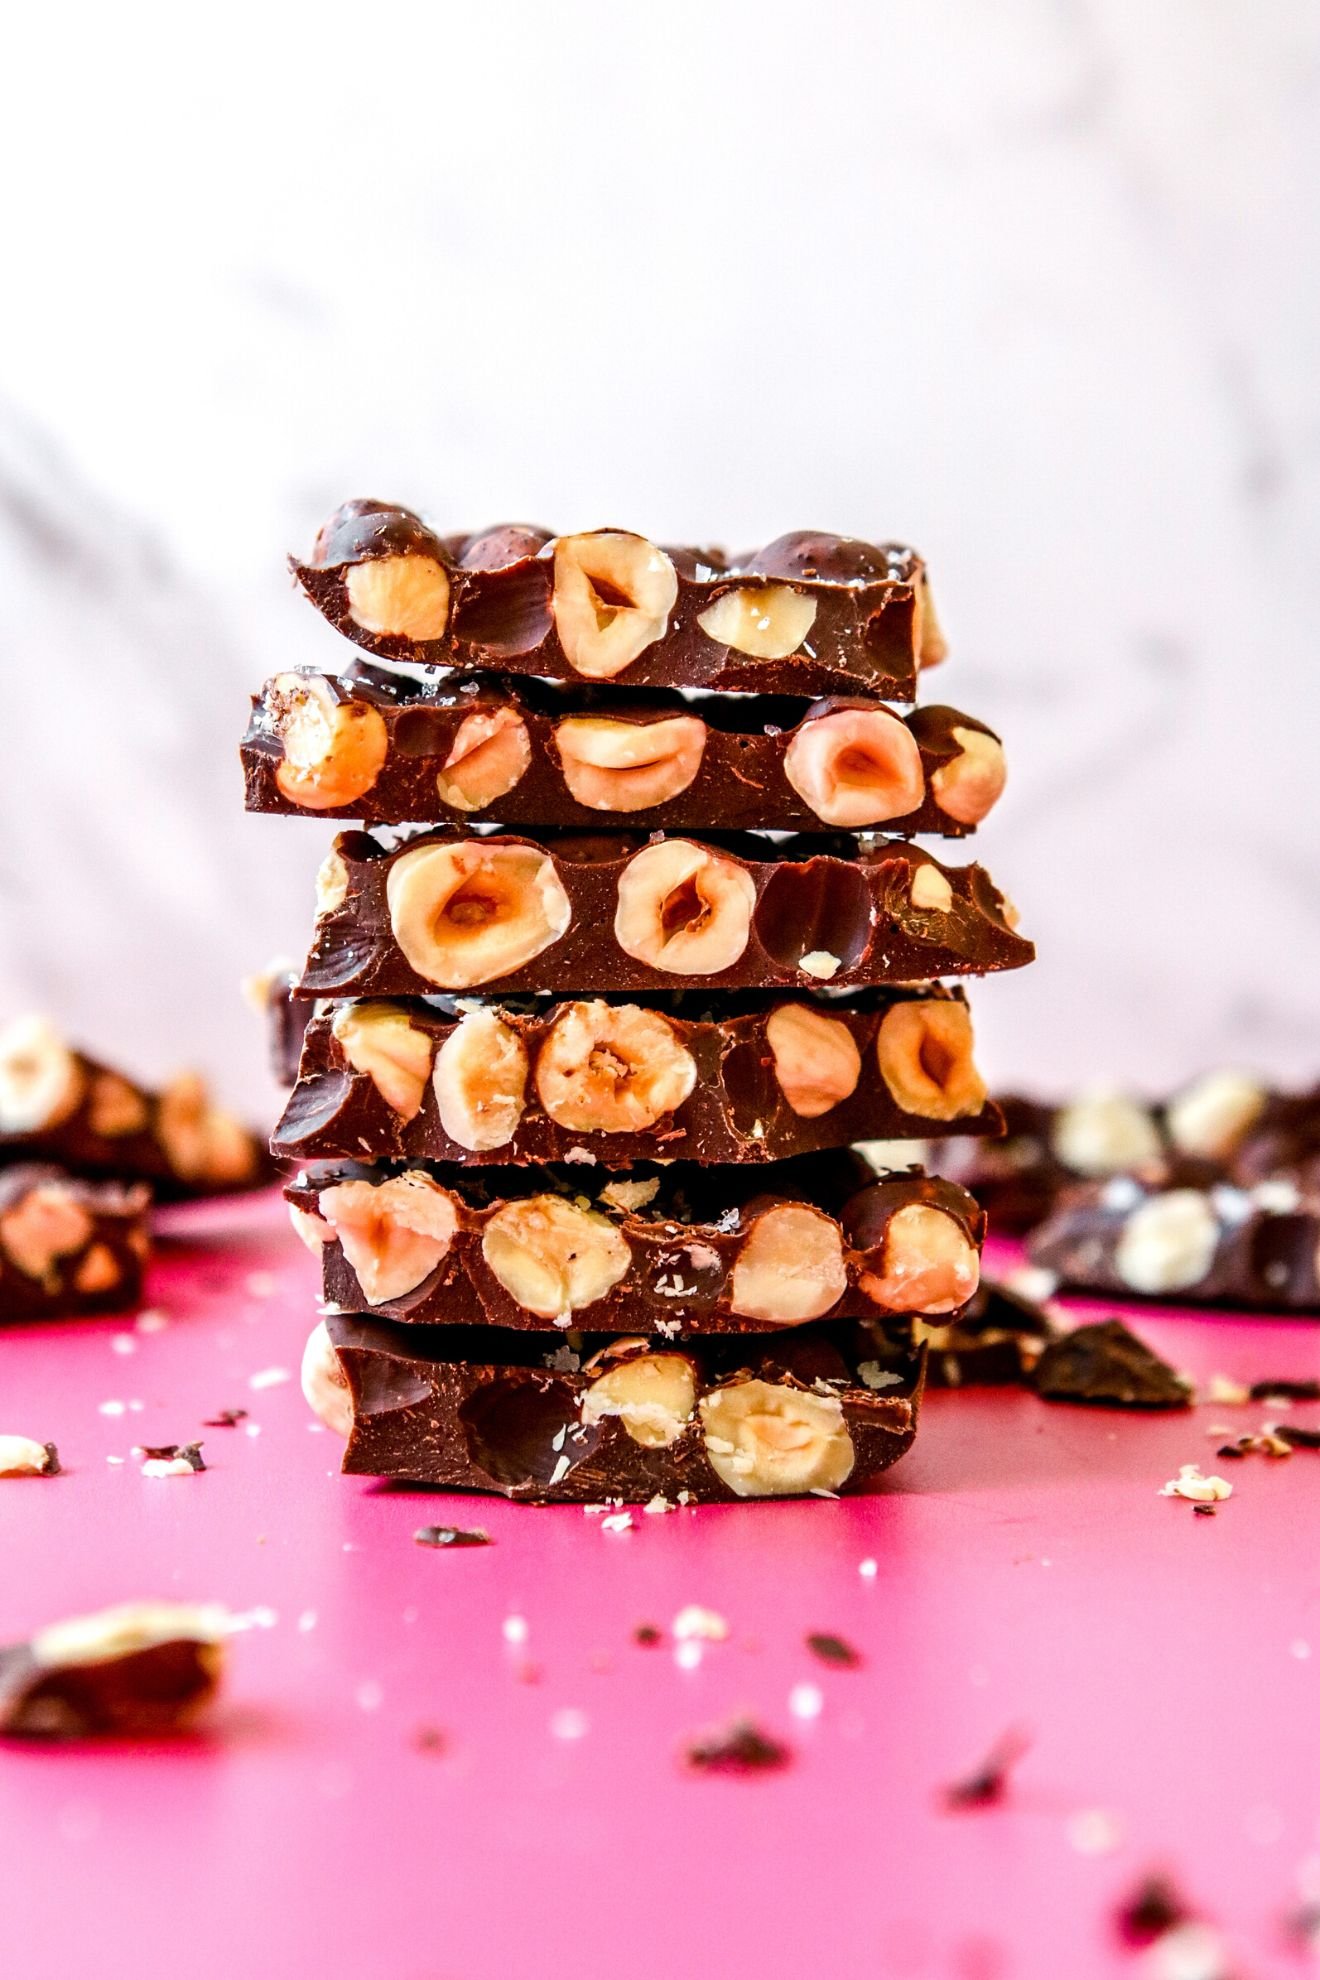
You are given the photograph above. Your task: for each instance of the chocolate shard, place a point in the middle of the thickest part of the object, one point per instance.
(1105, 1362)
(833, 1650)
(1301, 1438)
(1290, 1391)
(997, 1339)
(988, 1783)
(741, 1747)
(1154, 1907)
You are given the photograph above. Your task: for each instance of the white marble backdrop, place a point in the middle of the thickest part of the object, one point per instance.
(1035, 285)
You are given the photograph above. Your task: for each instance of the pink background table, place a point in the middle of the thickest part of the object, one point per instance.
(395, 1785)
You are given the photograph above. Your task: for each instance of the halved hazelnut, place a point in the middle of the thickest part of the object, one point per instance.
(790, 1266)
(612, 765)
(855, 767)
(767, 621)
(44, 1226)
(333, 750)
(932, 647)
(399, 597)
(394, 1234)
(552, 1256)
(929, 1264)
(612, 598)
(1104, 1133)
(480, 1081)
(331, 885)
(1210, 1117)
(817, 1062)
(969, 784)
(381, 1041)
(766, 1440)
(41, 1082)
(612, 1068)
(324, 1383)
(925, 1054)
(684, 909)
(98, 1271)
(491, 752)
(464, 914)
(115, 1108)
(930, 888)
(653, 1396)
(204, 1144)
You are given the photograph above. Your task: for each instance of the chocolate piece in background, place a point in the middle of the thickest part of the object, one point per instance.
(1104, 1362)
(809, 614)
(735, 1078)
(1256, 1248)
(389, 750)
(59, 1105)
(271, 995)
(667, 1249)
(142, 1669)
(69, 1245)
(611, 911)
(997, 1340)
(738, 1748)
(589, 1418)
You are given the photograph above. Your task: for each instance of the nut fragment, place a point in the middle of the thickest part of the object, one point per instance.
(552, 1256)
(612, 1068)
(480, 1081)
(44, 1226)
(115, 1108)
(331, 885)
(790, 1266)
(394, 1234)
(928, 1263)
(767, 1440)
(40, 1079)
(23, 1457)
(613, 765)
(1168, 1243)
(612, 598)
(1104, 1133)
(98, 1272)
(767, 621)
(930, 888)
(313, 1230)
(381, 1041)
(144, 1668)
(1211, 1116)
(816, 1059)
(925, 1054)
(399, 597)
(324, 1383)
(653, 1395)
(491, 752)
(333, 750)
(464, 914)
(204, 1144)
(684, 909)
(971, 783)
(855, 767)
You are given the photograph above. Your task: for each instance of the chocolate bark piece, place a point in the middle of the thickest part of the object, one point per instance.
(1105, 1362)
(142, 1669)
(735, 1078)
(389, 750)
(57, 1104)
(537, 1419)
(1016, 1179)
(810, 614)
(996, 1340)
(69, 1245)
(613, 911)
(669, 1250)
(272, 995)
(1223, 1245)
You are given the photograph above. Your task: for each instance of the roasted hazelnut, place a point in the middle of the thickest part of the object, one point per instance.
(816, 1059)
(1103, 1133)
(855, 767)
(464, 914)
(394, 1234)
(115, 1108)
(507, 543)
(768, 1440)
(1211, 1117)
(766, 621)
(324, 1383)
(204, 1144)
(971, 783)
(399, 597)
(331, 885)
(929, 889)
(790, 1266)
(491, 752)
(612, 1068)
(925, 1055)
(928, 1263)
(615, 765)
(41, 1081)
(684, 909)
(381, 1041)
(613, 593)
(481, 1081)
(23, 1457)
(1169, 1243)
(553, 1257)
(43, 1226)
(653, 1395)
(98, 1270)
(333, 750)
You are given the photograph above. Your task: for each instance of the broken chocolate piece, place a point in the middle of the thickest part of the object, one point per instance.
(1105, 1362)
(1152, 1909)
(144, 1669)
(189, 1454)
(1300, 1438)
(997, 1339)
(452, 1536)
(1288, 1391)
(69, 1246)
(738, 1748)
(833, 1650)
(225, 1419)
(989, 1782)
(648, 1635)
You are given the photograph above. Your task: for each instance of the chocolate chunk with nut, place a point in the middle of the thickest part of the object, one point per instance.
(1105, 1362)
(68, 1245)
(997, 1339)
(143, 1669)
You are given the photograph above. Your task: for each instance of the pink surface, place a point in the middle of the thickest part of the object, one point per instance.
(1028, 1575)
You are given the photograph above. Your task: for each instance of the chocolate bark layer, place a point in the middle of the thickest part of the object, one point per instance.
(809, 614)
(671, 1250)
(69, 1246)
(612, 911)
(59, 1105)
(537, 1419)
(389, 750)
(746, 1079)
(1256, 1248)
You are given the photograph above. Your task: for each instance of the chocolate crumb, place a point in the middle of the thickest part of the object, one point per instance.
(1290, 1391)
(648, 1635)
(834, 1650)
(1204, 1512)
(1151, 1910)
(1106, 1363)
(1238, 1450)
(987, 1785)
(53, 1466)
(429, 1739)
(168, 1453)
(452, 1536)
(224, 1419)
(1300, 1438)
(738, 1748)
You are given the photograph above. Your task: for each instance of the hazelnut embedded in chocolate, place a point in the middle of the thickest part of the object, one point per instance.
(466, 913)
(480, 1081)
(613, 593)
(684, 909)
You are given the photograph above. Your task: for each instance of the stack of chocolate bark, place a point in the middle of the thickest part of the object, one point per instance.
(576, 1108)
